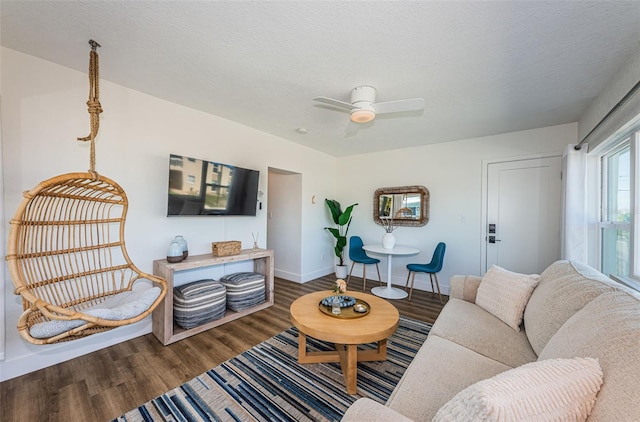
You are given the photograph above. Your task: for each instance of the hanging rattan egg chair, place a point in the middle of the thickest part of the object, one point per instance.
(67, 255)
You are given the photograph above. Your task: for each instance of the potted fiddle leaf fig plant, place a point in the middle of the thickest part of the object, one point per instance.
(342, 219)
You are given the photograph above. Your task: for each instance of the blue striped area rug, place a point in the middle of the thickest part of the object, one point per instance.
(266, 383)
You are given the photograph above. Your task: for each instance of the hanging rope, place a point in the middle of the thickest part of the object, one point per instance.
(93, 105)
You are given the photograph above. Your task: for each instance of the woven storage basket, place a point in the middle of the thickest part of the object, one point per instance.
(231, 247)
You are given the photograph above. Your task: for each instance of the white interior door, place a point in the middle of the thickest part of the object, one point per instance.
(523, 214)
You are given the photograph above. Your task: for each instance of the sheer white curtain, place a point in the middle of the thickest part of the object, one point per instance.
(574, 204)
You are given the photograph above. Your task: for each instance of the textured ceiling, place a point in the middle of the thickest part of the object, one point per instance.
(483, 67)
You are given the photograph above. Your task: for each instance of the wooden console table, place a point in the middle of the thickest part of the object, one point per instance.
(165, 329)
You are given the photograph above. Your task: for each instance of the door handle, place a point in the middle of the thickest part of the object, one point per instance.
(492, 239)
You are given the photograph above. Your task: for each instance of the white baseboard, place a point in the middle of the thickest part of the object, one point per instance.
(317, 274)
(288, 275)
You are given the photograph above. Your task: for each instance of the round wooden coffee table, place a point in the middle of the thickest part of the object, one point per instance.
(346, 334)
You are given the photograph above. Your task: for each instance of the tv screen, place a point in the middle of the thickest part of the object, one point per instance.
(198, 187)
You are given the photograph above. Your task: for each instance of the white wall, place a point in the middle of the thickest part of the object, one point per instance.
(452, 172)
(44, 110)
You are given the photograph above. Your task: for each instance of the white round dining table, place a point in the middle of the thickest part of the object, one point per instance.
(389, 292)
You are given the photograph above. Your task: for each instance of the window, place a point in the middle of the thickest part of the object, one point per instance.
(615, 221)
(619, 229)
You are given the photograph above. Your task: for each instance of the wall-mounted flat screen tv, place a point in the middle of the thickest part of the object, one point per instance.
(198, 187)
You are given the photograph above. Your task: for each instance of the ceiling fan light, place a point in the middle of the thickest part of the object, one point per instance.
(362, 116)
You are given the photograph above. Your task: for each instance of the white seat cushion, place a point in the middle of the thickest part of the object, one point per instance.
(473, 327)
(440, 369)
(119, 307)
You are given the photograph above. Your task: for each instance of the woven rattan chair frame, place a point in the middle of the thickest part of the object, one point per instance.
(67, 252)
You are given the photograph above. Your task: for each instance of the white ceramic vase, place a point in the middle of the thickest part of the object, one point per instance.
(183, 244)
(388, 241)
(174, 253)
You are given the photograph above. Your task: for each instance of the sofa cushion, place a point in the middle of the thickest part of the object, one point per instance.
(464, 287)
(472, 327)
(505, 294)
(365, 409)
(564, 288)
(440, 369)
(608, 328)
(549, 390)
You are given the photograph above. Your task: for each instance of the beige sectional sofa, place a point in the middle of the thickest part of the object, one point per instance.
(573, 311)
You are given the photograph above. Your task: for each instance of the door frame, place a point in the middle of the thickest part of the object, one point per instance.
(485, 190)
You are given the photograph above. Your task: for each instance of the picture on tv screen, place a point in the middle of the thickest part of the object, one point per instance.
(198, 187)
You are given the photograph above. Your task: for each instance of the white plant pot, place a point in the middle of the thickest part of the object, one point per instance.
(388, 241)
(341, 271)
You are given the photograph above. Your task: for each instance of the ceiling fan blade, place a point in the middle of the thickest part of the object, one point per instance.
(399, 105)
(351, 129)
(335, 103)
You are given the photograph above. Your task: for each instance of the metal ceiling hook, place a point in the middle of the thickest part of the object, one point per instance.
(94, 45)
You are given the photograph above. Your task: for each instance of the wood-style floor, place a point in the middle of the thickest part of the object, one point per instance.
(105, 384)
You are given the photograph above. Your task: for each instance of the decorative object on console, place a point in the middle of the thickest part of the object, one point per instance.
(183, 244)
(342, 220)
(175, 253)
(255, 240)
(230, 247)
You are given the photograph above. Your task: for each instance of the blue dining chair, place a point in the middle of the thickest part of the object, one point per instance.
(358, 255)
(432, 268)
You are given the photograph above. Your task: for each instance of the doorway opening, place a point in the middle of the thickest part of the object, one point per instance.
(284, 222)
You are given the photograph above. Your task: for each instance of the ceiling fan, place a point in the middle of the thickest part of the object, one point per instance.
(364, 108)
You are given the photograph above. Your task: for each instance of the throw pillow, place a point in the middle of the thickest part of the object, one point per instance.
(548, 390)
(505, 294)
